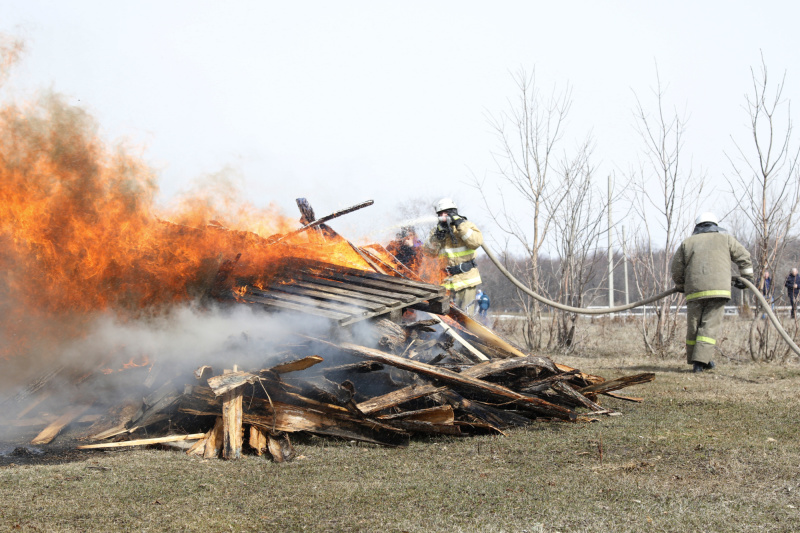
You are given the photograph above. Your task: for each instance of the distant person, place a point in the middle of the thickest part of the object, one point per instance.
(406, 247)
(701, 269)
(483, 304)
(792, 289)
(766, 290)
(476, 303)
(455, 240)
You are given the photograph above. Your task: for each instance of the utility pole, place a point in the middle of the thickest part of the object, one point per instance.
(610, 249)
(625, 266)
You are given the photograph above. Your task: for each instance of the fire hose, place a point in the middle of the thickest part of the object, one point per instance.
(607, 310)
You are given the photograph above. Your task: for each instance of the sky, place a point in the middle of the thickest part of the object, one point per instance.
(346, 101)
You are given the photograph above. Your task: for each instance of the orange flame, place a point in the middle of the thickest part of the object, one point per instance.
(80, 232)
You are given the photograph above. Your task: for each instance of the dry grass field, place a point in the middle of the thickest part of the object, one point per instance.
(704, 452)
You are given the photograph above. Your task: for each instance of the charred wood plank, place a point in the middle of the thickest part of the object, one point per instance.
(377, 295)
(579, 398)
(441, 414)
(413, 392)
(280, 447)
(541, 385)
(428, 428)
(498, 418)
(346, 309)
(274, 302)
(406, 394)
(343, 372)
(115, 422)
(292, 418)
(230, 381)
(340, 289)
(326, 296)
(619, 383)
(453, 378)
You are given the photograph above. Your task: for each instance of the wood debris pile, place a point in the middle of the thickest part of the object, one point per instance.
(428, 370)
(419, 381)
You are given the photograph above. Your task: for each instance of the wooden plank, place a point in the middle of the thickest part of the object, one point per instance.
(200, 446)
(214, 441)
(358, 288)
(386, 284)
(619, 383)
(350, 309)
(232, 423)
(483, 333)
(50, 432)
(272, 302)
(142, 442)
(450, 331)
(497, 418)
(441, 414)
(280, 447)
(258, 439)
(396, 280)
(580, 398)
(412, 392)
(490, 389)
(428, 428)
(229, 381)
(626, 398)
(323, 296)
(292, 418)
(296, 365)
(338, 288)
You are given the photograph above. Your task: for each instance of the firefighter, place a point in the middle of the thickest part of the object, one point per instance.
(701, 269)
(455, 240)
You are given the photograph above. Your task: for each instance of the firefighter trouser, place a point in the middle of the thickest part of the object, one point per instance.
(463, 297)
(703, 319)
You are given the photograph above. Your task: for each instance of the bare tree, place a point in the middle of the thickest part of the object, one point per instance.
(666, 194)
(534, 185)
(578, 228)
(766, 185)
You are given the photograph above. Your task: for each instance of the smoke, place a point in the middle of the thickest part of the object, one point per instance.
(191, 336)
(95, 276)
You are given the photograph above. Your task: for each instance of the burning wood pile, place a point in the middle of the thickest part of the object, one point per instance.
(396, 361)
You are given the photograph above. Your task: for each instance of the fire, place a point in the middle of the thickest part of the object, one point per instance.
(134, 362)
(80, 232)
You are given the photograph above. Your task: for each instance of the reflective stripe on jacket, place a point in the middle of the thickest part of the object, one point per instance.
(702, 265)
(456, 251)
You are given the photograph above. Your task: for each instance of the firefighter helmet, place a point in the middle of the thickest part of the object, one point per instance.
(708, 216)
(444, 204)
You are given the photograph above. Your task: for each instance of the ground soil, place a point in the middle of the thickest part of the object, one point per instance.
(717, 451)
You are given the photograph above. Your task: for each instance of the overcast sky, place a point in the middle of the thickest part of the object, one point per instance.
(346, 101)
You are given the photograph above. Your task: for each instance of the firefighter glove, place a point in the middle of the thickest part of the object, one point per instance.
(441, 232)
(739, 284)
(680, 288)
(457, 221)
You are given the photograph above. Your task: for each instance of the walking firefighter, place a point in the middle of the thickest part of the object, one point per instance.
(701, 269)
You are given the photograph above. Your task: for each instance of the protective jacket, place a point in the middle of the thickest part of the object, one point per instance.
(701, 266)
(458, 250)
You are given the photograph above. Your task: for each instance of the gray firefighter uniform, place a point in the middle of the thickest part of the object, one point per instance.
(701, 268)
